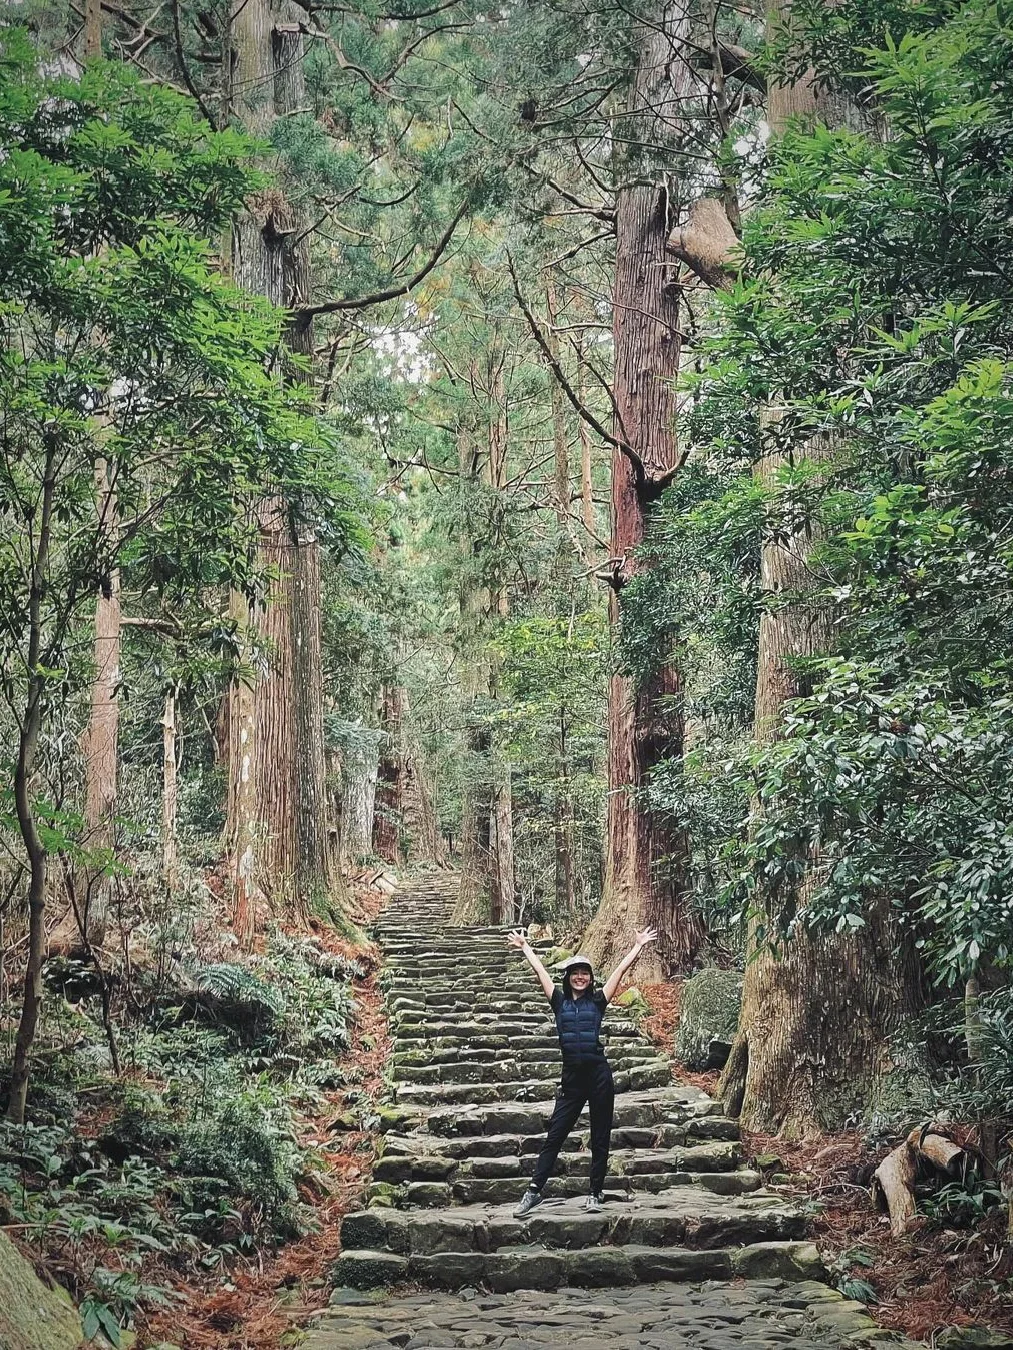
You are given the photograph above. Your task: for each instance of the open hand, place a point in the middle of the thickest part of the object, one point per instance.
(645, 935)
(517, 939)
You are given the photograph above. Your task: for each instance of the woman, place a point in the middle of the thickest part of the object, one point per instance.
(579, 1008)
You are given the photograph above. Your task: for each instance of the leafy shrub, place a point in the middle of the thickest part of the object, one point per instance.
(961, 1204)
(848, 1283)
(292, 1001)
(243, 1152)
(238, 997)
(143, 1126)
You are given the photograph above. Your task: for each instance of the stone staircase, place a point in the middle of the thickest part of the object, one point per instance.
(689, 1253)
(474, 1069)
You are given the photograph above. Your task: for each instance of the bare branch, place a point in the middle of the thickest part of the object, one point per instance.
(584, 243)
(639, 474)
(303, 316)
(184, 69)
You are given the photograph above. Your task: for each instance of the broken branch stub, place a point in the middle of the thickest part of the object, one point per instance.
(925, 1151)
(707, 243)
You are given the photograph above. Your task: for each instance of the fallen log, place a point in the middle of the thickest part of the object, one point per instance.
(925, 1150)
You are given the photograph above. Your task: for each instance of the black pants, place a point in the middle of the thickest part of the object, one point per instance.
(589, 1082)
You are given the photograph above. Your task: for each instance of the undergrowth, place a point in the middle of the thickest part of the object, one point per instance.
(193, 1157)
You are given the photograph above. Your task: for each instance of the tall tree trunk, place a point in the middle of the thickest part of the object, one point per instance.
(583, 546)
(647, 859)
(358, 799)
(473, 607)
(388, 822)
(281, 844)
(586, 483)
(422, 828)
(242, 829)
(502, 883)
(170, 794)
(101, 740)
(818, 1013)
(316, 870)
(276, 733)
(91, 31)
(474, 841)
(563, 827)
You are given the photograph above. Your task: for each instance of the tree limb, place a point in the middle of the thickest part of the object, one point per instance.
(184, 69)
(639, 473)
(584, 243)
(707, 243)
(301, 317)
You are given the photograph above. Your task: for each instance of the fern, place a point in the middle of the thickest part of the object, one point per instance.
(233, 983)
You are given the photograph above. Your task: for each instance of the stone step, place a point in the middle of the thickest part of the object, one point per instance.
(398, 1167)
(424, 994)
(545, 1048)
(787, 1313)
(536, 1018)
(494, 985)
(653, 1073)
(673, 1105)
(418, 1044)
(678, 1217)
(541, 1267)
(461, 977)
(471, 1031)
(537, 1267)
(465, 1190)
(467, 954)
(689, 1134)
(503, 1070)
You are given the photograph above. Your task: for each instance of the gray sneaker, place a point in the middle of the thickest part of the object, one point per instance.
(529, 1199)
(593, 1203)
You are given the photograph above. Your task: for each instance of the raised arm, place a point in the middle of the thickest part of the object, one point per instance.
(640, 941)
(520, 943)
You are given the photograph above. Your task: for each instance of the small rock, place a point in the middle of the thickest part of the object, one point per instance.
(343, 1297)
(345, 1120)
(973, 1338)
(784, 1260)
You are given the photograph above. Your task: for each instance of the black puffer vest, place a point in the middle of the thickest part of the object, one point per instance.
(578, 1023)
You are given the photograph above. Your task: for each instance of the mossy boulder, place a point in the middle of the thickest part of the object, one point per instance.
(709, 1017)
(32, 1316)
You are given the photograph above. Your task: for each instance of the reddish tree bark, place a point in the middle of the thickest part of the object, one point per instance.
(278, 839)
(388, 819)
(647, 859)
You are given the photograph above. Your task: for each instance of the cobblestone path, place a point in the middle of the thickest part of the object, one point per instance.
(689, 1251)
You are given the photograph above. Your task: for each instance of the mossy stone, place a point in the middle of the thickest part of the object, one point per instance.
(32, 1316)
(709, 1018)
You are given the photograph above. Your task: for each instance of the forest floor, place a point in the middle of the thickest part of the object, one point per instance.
(944, 1273)
(947, 1271)
(263, 1303)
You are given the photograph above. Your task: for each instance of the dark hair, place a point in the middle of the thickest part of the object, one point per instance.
(567, 991)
